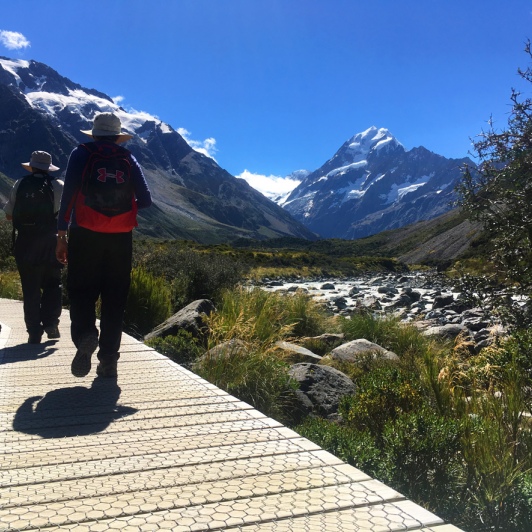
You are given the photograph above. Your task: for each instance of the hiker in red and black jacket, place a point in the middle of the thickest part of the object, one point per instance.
(104, 187)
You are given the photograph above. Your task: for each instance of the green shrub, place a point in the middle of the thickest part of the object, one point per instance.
(320, 347)
(249, 315)
(182, 348)
(488, 395)
(191, 274)
(7, 261)
(205, 276)
(256, 377)
(383, 394)
(305, 314)
(521, 504)
(421, 458)
(148, 303)
(10, 287)
(350, 445)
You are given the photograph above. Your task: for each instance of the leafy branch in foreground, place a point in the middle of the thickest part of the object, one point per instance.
(498, 193)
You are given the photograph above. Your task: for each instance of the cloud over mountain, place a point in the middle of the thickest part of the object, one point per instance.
(272, 186)
(13, 40)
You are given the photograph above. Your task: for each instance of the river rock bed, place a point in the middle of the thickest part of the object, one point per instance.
(426, 299)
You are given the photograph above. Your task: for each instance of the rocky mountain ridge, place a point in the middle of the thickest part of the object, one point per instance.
(194, 198)
(372, 184)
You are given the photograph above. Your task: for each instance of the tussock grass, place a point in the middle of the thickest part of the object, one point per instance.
(148, 304)
(403, 339)
(262, 318)
(249, 322)
(10, 287)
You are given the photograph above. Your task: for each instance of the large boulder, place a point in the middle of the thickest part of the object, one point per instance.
(320, 388)
(227, 349)
(449, 331)
(356, 349)
(189, 318)
(442, 301)
(330, 340)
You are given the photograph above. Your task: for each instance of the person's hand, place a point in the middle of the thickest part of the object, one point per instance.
(61, 248)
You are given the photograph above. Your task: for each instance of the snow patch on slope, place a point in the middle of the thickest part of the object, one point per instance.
(399, 191)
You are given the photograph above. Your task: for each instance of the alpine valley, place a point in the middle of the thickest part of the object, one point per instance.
(370, 185)
(194, 199)
(373, 184)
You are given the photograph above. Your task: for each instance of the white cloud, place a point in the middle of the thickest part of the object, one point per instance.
(207, 146)
(13, 40)
(271, 186)
(118, 99)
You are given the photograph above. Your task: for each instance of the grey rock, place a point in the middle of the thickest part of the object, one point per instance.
(227, 349)
(370, 302)
(482, 344)
(340, 302)
(442, 301)
(403, 300)
(320, 388)
(414, 295)
(354, 350)
(189, 318)
(390, 290)
(449, 331)
(297, 353)
(475, 324)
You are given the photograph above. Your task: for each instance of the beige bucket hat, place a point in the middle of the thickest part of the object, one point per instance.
(107, 125)
(41, 160)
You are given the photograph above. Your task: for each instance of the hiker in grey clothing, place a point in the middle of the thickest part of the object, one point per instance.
(32, 207)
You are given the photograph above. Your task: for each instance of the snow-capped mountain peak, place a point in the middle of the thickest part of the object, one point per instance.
(47, 91)
(361, 144)
(372, 184)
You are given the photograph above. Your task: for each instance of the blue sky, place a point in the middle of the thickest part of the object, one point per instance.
(273, 86)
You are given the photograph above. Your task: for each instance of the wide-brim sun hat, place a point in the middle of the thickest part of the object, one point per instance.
(40, 160)
(107, 125)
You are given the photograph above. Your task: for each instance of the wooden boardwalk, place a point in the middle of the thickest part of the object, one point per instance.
(161, 449)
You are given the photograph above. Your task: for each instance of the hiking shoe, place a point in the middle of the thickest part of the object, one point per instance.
(52, 332)
(81, 365)
(107, 368)
(34, 338)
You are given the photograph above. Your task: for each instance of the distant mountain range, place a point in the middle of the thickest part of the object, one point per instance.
(194, 198)
(371, 184)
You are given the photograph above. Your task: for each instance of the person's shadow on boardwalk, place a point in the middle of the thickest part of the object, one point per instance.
(24, 352)
(77, 411)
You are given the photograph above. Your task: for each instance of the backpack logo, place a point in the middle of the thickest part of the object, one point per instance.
(103, 175)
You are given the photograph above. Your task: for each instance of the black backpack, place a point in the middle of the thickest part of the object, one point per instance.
(33, 212)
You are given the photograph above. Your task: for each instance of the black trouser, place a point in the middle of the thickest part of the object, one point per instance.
(40, 277)
(99, 265)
